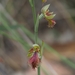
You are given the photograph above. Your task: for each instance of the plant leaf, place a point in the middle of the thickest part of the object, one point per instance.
(2, 27)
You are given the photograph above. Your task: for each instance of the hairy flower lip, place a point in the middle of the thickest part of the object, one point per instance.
(51, 23)
(34, 60)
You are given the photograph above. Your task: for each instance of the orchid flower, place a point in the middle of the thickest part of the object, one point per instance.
(34, 56)
(48, 15)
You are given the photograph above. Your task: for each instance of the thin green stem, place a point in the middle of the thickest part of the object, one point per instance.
(34, 11)
(36, 29)
(39, 70)
(32, 3)
(36, 23)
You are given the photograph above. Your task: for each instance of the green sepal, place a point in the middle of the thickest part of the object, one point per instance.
(45, 8)
(50, 17)
(30, 54)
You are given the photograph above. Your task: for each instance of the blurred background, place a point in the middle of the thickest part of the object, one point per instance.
(17, 37)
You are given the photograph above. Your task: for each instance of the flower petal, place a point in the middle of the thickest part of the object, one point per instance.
(45, 8)
(50, 17)
(36, 47)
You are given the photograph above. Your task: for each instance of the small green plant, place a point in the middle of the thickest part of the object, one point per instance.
(35, 53)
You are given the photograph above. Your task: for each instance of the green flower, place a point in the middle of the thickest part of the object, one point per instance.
(48, 15)
(34, 56)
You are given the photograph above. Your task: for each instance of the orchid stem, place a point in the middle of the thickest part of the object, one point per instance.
(36, 29)
(32, 3)
(36, 22)
(39, 70)
(34, 11)
(36, 25)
